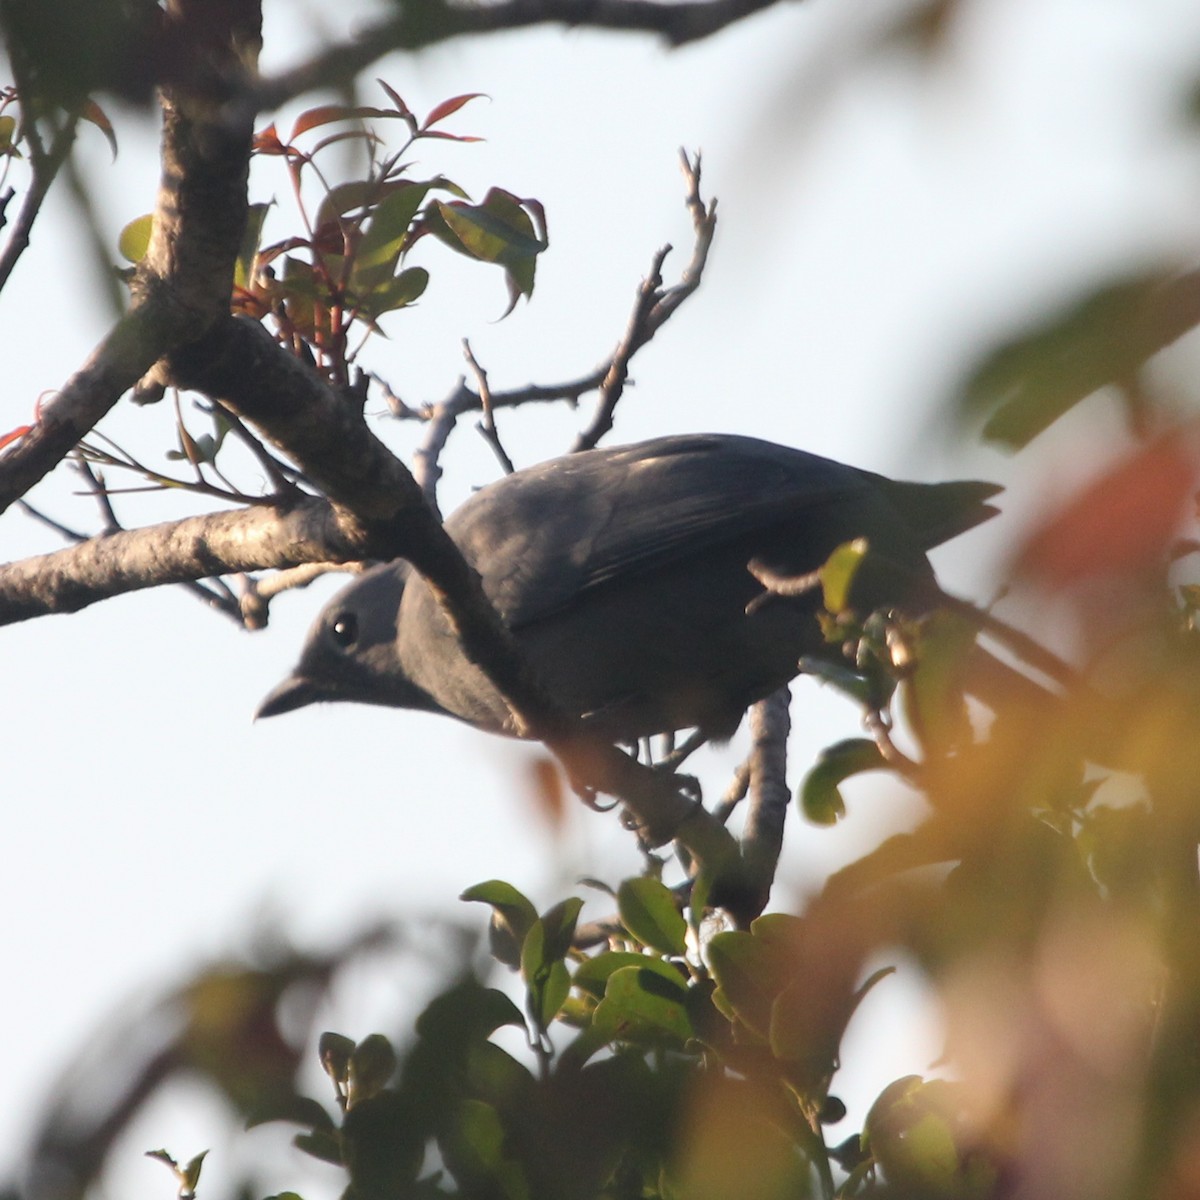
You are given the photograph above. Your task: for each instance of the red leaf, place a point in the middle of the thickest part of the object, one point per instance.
(1121, 523)
(267, 142)
(92, 112)
(327, 114)
(14, 434)
(440, 111)
(394, 96)
(450, 137)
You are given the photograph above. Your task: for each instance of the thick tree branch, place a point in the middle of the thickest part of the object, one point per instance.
(175, 552)
(184, 283)
(431, 21)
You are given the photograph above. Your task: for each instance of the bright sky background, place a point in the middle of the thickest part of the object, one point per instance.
(879, 223)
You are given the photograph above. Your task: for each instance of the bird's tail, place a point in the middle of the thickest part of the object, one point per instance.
(938, 512)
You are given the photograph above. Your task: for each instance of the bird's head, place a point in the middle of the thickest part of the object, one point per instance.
(351, 652)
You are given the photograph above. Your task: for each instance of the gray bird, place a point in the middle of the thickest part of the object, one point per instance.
(623, 576)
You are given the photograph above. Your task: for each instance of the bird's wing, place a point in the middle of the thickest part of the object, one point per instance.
(543, 536)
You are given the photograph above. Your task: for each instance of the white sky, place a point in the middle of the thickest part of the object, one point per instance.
(877, 222)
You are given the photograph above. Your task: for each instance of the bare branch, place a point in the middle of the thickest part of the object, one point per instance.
(217, 597)
(488, 425)
(254, 599)
(762, 839)
(196, 548)
(654, 307)
(95, 483)
(45, 166)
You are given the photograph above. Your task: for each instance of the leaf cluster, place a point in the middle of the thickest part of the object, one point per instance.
(326, 289)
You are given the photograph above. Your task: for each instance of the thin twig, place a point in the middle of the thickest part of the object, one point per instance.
(487, 426)
(654, 306)
(1026, 648)
(876, 723)
(95, 482)
(254, 595)
(735, 793)
(276, 471)
(775, 584)
(44, 165)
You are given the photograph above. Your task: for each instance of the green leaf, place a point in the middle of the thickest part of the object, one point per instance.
(807, 1030)
(838, 675)
(366, 195)
(548, 993)
(746, 971)
(649, 910)
(913, 1132)
(513, 915)
(476, 1153)
(134, 239)
(495, 1075)
(933, 696)
(820, 796)
(296, 1110)
(8, 127)
(592, 975)
(256, 214)
(838, 572)
(372, 1064)
(467, 1013)
(500, 230)
(386, 235)
(559, 924)
(383, 1141)
(640, 1004)
(547, 979)
(397, 292)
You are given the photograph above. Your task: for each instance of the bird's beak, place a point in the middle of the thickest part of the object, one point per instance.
(294, 692)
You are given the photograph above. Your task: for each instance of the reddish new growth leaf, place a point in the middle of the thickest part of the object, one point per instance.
(92, 112)
(1120, 524)
(267, 141)
(327, 114)
(439, 112)
(14, 435)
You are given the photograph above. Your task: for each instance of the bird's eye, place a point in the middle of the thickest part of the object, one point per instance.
(345, 630)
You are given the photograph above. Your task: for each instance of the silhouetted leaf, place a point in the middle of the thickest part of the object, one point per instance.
(1027, 383)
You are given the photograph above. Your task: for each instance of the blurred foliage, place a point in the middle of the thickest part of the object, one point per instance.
(1049, 894)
